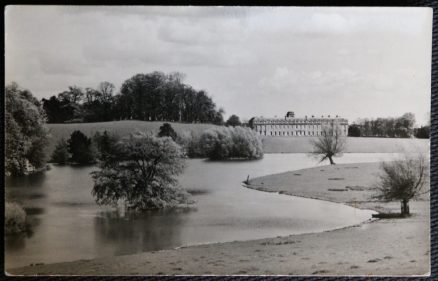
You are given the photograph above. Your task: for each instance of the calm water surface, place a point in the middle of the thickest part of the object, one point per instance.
(67, 225)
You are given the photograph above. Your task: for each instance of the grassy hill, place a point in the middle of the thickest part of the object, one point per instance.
(270, 144)
(121, 128)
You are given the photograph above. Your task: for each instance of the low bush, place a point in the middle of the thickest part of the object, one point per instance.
(15, 218)
(61, 155)
(227, 143)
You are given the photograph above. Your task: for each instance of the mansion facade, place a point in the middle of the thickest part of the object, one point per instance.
(290, 126)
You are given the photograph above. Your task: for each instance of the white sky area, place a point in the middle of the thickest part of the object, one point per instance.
(354, 62)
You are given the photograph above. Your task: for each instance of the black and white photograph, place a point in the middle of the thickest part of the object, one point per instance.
(217, 141)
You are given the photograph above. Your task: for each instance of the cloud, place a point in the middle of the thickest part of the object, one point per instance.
(252, 60)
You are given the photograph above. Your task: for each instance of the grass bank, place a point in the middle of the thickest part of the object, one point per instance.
(354, 145)
(121, 128)
(393, 247)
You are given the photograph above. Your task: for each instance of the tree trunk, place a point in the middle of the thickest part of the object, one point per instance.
(405, 207)
(331, 160)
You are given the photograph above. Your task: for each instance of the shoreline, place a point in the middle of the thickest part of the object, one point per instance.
(235, 263)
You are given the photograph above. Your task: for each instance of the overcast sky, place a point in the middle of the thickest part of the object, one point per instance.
(354, 62)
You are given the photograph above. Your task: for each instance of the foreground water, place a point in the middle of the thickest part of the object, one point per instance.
(67, 225)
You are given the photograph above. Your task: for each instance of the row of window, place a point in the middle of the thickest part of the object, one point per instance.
(299, 133)
(301, 121)
(289, 126)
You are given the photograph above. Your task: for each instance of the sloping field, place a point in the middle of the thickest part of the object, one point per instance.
(121, 128)
(270, 144)
(354, 145)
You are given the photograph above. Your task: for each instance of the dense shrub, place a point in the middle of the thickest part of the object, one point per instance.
(81, 148)
(141, 172)
(228, 142)
(106, 144)
(189, 141)
(15, 218)
(166, 130)
(61, 155)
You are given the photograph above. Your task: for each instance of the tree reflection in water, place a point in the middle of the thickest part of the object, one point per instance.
(134, 232)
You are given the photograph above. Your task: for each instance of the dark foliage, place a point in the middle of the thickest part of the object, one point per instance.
(81, 148)
(106, 144)
(166, 130)
(354, 130)
(61, 155)
(422, 132)
(233, 121)
(151, 97)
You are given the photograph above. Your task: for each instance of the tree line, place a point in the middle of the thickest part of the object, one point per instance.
(154, 96)
(398, 127)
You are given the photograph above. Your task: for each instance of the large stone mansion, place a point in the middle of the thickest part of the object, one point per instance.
(290, 126)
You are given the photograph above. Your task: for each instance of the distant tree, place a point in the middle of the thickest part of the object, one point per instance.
(81, 148)
(400, 127)
(158, 96)
(106, 144)
(142, 173)
(218, 118)
(55, 110)
(330, 143)
(354, 131)
(61, 155)
(26, 133)
(233, 121)
(423, 132)
(403, 180)
(166, 130)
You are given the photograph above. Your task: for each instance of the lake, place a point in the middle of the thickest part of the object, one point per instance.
(67, 225)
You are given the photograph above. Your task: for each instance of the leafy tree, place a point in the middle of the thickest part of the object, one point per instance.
(61, 155)
(233, 121)
(224, 143)
(218, 118)
(26, 134)
(157, 96)
(330, 143)
(81, 148)
(141, 173)
(354, 131)
(423, 132)
(166, 130)
(403, 180)
(106, 144)
(400, 127)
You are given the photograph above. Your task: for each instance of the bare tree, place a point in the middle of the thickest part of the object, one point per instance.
(403, 180)
(330, 143)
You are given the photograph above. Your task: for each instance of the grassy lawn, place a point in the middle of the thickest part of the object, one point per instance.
(354, 145)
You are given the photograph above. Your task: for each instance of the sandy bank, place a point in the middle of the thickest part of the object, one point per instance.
(383, 247)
